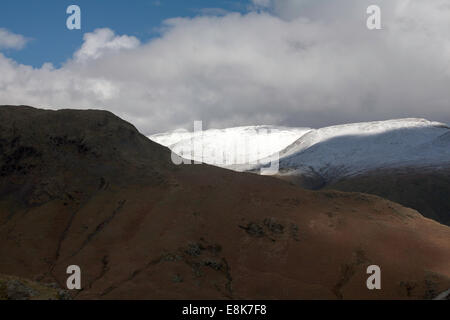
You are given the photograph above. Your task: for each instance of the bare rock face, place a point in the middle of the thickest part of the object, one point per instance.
(86, 188)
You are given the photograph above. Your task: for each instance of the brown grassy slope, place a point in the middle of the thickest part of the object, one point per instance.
(85, 188)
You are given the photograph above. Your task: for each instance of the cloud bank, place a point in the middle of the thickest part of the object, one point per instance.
(300, 63)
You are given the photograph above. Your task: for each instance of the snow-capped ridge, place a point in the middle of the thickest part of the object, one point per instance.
(349, 149)
(356, 129)
(230, 146)
(329, 152)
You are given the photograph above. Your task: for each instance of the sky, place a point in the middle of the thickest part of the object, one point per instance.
(164, 64)
(44, 22)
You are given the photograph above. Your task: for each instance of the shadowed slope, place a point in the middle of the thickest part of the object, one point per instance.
(422, 189)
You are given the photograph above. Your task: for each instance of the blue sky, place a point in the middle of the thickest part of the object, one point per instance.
(45, 22)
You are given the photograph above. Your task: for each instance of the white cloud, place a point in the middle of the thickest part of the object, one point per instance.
(102, 41)
(9, 40)
(320, 68)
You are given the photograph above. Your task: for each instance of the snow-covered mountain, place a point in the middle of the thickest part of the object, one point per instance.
(226, 147)
(405, 160)
(329, 153)
(349, 149)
